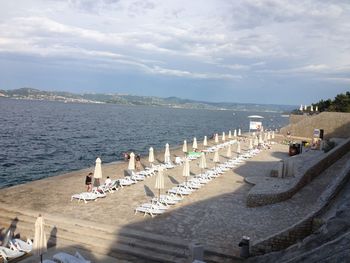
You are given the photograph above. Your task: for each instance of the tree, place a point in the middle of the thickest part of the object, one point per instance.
(341, 103)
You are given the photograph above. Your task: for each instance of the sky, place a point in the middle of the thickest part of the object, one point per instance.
(254, 51)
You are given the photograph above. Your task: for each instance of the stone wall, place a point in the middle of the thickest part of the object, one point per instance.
(306, 226)
(293, 119)
(259, 199)
(334, 124)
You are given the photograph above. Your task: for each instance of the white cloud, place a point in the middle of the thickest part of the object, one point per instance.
(338, 80)
(210, 39)
(189, 74)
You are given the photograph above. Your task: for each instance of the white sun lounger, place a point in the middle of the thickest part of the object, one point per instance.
(190, 185)
(154, 204)
(169, 166)
(148, 172)
(87, 196)
(164, 200)
(8, 254)
(126, 182)
(179, 191)
(22, 245)
(152, 210)
(63, 257)
(137, 177)
(201, 180)
(113, 185)
(173, 197)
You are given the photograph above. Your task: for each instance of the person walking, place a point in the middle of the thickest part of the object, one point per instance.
(138, 162)
(88, 182)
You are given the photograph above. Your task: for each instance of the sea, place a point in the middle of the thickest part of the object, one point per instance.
(39, 139)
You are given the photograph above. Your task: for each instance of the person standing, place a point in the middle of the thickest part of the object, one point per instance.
(108, 181)
(88, 182)
(138, 162)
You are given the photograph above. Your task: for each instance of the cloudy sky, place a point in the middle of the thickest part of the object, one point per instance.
(272, 51)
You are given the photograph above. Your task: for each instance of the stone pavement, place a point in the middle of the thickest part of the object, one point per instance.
(215, 215)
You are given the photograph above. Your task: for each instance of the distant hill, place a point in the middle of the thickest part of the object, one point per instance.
(123, 99)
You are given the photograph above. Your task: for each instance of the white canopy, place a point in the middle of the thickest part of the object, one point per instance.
(194, 145)
(151, 155)
(255, 117)
(203, 161)
(216, 158)
(98, 169)
(205, 141)
(184, 147)
(131, 165)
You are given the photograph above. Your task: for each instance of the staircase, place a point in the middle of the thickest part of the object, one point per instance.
(123, 244)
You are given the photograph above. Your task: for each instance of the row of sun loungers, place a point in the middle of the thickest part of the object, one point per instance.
(101, 191)
(15, 248)
(10, 254)
(159, 205)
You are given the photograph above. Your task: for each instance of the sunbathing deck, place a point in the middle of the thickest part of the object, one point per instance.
(215, 215)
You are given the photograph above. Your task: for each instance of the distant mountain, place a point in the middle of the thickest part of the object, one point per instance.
(123, 99)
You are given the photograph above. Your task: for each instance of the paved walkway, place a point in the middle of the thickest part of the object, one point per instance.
(215, 215)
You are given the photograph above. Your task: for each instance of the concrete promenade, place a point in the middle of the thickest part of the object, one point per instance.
(215, 215)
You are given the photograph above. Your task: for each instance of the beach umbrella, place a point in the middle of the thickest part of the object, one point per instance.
(229, 134)
(216, 138)
(235, 133)
(305, 107)
(131, 165)
(7, 238)
(239, 132)
(301, 107)
(238, 147)
(311, 108)
(39, 244)
(316, 109)
(151, 156)
(167, 154)
(186, 169)
(265, 137)
(159, 181)
(256, 142)
(98, 171)
(184, 147)
(223, 138)
(216, 158)
(229, 152)
(202, 162)
(250, 144)
(273, 135)
(205, 141)
(194, 146)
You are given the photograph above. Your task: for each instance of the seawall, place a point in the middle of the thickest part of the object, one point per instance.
(334, 124)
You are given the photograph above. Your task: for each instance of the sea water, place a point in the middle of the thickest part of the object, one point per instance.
(43, 138)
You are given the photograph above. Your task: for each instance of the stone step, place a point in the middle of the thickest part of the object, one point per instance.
(111, 244)
(120, 243)
(116, 240)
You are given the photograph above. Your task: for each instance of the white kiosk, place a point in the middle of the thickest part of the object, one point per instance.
(255, 123)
